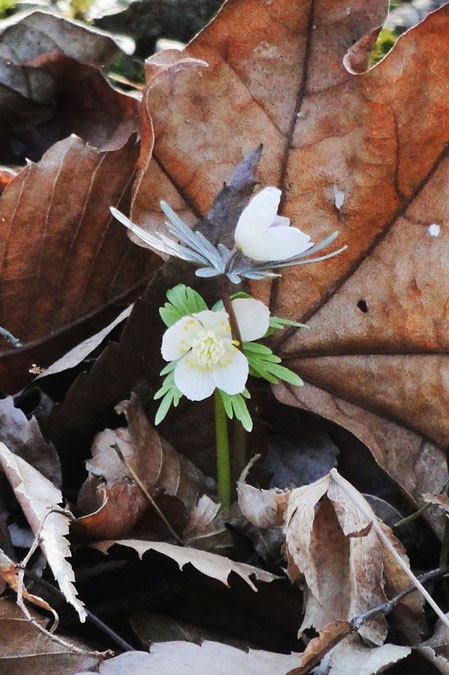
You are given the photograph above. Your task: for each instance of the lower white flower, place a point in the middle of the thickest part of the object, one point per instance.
(207, 356)
(263, 235)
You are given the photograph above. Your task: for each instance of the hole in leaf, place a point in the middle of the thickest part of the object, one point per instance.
(362, 306)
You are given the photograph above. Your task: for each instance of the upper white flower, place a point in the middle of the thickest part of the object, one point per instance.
(207, 355)
(263, 235)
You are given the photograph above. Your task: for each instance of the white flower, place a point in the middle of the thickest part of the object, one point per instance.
(263, 235)
(260, 234)
(207, 356)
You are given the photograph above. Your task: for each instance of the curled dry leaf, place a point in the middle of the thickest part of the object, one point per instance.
(206, 528)
(37, 497)
(185, 658)
(346, 567)
(111, 497)
(215, 566)
(381, 137)
(330, 543)
(263, 508)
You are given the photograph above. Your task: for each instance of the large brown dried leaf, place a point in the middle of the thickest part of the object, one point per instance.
(39, 500)
(375, 358)
(63, 256)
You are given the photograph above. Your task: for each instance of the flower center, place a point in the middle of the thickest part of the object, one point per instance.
(208, 348)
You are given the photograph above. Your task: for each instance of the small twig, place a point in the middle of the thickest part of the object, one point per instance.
(90, 616)
(147, 494)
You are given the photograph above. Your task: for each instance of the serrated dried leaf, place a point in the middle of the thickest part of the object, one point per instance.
(212, 565)
(38, 496)
(186, 658)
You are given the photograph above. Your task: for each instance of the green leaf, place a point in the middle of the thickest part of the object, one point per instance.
(227, 402)
(241, 412)
(277, 323)
(164, 407)
(256, 347)
(287, 375)
(182, 301)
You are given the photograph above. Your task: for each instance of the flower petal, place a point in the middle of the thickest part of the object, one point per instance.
(195, 383)
(232, 377)
(252, 318)
(256, 218)
(280, 243)
(177, 339)
(216, 321)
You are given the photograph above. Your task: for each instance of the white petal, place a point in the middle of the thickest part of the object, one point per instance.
(216, 321)
(194, 383)
(280, 243)
(232, 377)
(256, 218)
(178, 338)
(252, 318)
(280, 221)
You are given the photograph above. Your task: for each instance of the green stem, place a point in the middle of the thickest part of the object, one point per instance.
(223, 463)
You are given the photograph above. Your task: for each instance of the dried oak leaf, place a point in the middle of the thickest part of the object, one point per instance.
(212, 565)
(112, 498)
(64, 258)
(39, 500)
(375, 357)
(24, 649)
